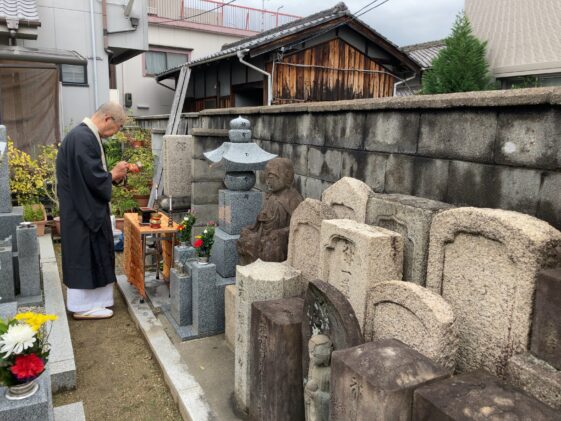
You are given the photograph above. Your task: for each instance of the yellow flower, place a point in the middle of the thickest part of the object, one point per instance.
(198, 236)
(35, 320)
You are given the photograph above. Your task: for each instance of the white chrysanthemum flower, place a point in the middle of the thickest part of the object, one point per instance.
(17, 339)
(205, 231)
(186, 218)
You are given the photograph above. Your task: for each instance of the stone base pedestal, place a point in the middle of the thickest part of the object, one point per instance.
(181, 297)
(477, 395)
(7, 285)
(238, 209)
(197, 301)
(258, 281)
(28, 261)
(38, 407)
(376, 380)
(536, 378)
(224, 253)
(9, 222)
(276, 391)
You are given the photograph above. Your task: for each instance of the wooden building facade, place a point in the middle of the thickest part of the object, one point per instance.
(327, 56)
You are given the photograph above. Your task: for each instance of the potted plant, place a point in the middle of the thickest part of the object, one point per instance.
(121, 202)
(203, 243)
(35, 213)
(24, 352)
(47, 162)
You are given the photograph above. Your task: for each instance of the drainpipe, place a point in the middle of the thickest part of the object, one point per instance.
(105, 32)
(94, 54)
(242, 53)
(395, 85)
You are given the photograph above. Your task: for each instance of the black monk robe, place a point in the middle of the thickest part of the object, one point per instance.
(84, 191)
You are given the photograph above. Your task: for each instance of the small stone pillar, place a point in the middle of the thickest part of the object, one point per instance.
(36, 407)
(7, 289)
(206, 307)
(28, 256)
(181, 297)
(257, 281)
(474, 396)
(376, 380)
(276, 391)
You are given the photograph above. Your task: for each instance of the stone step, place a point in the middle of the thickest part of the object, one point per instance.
(71, 412)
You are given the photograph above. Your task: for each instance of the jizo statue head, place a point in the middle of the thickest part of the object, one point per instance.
(279, 174)
(320, 348)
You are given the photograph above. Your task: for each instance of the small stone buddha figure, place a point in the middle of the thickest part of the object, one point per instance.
(316, 389)
(267, 239)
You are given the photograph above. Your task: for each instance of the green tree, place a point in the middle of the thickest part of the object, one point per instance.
(461, 65)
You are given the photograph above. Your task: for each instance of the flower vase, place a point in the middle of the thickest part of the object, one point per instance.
(203, 260)
(22, 391)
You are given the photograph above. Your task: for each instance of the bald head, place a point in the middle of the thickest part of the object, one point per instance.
(109, 118)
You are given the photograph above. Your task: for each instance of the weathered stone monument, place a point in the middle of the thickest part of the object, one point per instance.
(411, 217)
(485, 263)
(267, 238)
(176, 152)
(376, 380)
(276, 391)
(477, 396)
(238, 206)
(9, 217)
(305, 235)
(348, 198)
(258, 281)
(329, 324)
(416, 316)
(354, 257)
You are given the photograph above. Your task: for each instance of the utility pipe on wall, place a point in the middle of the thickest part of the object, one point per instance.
(241, 54)
(402, 81)
(94, 53)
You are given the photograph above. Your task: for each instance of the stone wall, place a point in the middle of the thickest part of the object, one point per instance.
(497, 149)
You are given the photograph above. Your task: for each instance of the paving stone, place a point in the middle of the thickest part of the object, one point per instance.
(477, 396)
(376, 380)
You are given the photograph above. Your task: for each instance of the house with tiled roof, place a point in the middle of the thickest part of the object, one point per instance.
(327, 56)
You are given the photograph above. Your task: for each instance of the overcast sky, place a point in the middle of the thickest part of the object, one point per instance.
(403, 22)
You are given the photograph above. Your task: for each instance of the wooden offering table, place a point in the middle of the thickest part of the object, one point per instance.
(134, 253)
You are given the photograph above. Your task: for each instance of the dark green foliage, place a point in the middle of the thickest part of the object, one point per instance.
(461, 65)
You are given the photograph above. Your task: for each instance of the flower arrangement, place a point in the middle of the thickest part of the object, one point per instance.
(185, 227)
(24, 347)
(203, 243)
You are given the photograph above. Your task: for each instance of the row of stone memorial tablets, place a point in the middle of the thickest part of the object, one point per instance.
(480, 266)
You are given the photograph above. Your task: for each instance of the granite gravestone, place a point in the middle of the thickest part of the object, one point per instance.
(238, 206)
(305, 235)
(28, 261)
(276, 391)
(416, 316)
(489, 259)
(376, 380)
(354, 257)
(9, 217)
(348, 198)
(327, 312)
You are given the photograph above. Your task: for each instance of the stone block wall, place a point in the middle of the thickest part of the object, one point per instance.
(497, 149)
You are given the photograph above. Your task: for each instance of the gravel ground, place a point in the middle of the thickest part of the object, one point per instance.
(118, 378)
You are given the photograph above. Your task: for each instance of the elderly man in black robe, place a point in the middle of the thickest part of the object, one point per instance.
(84, 190)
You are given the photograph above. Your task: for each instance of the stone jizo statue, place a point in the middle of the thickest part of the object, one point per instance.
(267, 239)
(317, 388)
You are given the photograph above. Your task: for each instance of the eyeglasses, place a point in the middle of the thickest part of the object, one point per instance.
(115, 121)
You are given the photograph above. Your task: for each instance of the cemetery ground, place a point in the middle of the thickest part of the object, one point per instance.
(118, 377)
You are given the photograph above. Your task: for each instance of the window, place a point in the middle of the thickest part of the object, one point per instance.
(157, 61)
(73, 74)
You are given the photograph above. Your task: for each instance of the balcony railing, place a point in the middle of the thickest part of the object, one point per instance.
(218, 13)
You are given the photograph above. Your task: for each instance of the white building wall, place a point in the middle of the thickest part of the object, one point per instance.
(148, 97)
(66, 25)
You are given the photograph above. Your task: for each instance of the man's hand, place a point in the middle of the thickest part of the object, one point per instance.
(119, 171)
